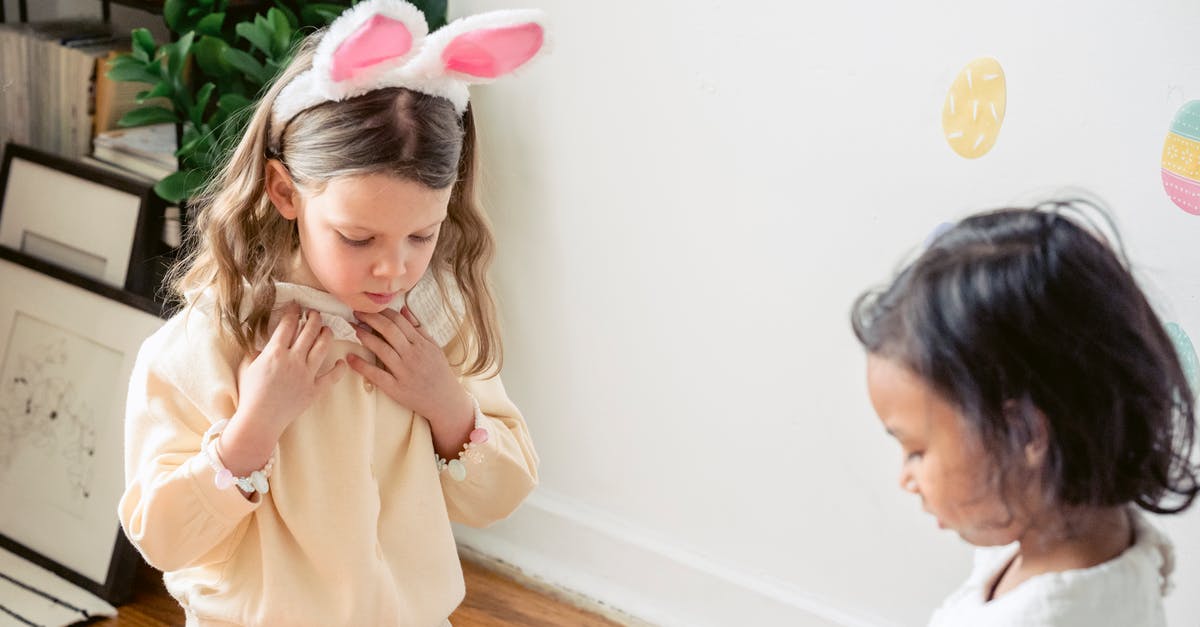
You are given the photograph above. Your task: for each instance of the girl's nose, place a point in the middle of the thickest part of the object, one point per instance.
(908, 482)
(392, 264)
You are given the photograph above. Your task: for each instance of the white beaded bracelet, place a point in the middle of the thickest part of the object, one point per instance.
(254, 482)
(470, 452)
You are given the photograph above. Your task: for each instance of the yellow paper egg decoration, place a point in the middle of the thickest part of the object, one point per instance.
(974, 108)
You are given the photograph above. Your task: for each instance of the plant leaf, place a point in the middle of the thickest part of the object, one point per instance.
(291, 15)
(178, 52)
(190, 133)
(127, 69)
(143, 44)
(247, 64)
(435, 12)
(256, 35)
(207, 53)
(196, 113)
(147, 115)
(232, 103)
(174, 13)
(211, 24)
(197, 146)
(179, 185)
(163, 89)
(320, 14)
(281, 37)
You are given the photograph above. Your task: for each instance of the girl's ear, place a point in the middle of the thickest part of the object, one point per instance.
(1032, 421)
(282, 190)
(1035, 450)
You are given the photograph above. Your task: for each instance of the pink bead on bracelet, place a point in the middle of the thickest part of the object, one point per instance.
(254, 482)
(470, 452)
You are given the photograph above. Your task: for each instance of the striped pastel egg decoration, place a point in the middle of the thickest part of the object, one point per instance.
(1181, 159)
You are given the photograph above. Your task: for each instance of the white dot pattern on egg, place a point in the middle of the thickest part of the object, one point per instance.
(974, 108)
(1187, 354)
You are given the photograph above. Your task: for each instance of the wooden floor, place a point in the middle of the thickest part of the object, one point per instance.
(492, 600)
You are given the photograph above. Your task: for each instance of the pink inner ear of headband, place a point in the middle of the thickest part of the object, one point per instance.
(379, 39)
(492, 52)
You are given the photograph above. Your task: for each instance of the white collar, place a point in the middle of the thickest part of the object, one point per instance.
(440, 318)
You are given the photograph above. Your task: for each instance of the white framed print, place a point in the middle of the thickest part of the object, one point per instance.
(67, 349)
(89, 220)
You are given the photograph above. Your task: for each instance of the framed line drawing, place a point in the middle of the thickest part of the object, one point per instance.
(91, 221)
(67, 348)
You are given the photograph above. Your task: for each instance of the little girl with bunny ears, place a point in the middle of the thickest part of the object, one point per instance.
(301, 434)
(1040, 405)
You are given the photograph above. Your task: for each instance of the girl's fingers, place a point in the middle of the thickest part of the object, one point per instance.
(376, 375)
(386, 327)
(385, 351)
(333, 376)
(309, 331)
(412, 319)
(320, 348)
(285, 331)
(403, 325)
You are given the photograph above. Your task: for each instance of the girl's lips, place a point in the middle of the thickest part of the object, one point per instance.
(380, 299)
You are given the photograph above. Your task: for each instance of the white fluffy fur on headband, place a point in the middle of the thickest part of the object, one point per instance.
(369, 40)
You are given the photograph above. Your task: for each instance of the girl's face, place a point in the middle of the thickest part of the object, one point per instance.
(366, 239)
(944, 460)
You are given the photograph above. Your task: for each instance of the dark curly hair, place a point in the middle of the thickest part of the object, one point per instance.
(1016, 314)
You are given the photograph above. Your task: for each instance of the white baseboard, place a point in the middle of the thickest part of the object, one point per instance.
(588, 552)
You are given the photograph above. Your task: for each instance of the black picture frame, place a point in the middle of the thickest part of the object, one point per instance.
(148, 254)
(61, 285)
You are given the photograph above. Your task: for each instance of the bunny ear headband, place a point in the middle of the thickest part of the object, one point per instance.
(386, 43)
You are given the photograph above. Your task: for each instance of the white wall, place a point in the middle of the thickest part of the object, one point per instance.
(689, 194)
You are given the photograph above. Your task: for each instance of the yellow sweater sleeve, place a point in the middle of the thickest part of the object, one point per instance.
(183, 381)
(507, 469)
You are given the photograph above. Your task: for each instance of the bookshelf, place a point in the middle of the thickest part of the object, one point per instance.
(115, 96)
(65, 100)
(149, 6)
(156, 6)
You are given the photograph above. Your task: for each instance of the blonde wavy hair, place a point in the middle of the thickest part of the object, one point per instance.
(241, 245)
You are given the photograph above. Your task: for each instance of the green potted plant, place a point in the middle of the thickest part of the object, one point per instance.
(224, 52)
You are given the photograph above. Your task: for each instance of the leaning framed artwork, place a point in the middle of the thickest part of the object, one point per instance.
(67, 348)
(89, 220)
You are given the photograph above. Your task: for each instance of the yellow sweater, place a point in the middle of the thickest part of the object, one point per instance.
(355, 529)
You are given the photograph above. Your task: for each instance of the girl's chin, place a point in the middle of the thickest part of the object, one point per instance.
(985, 538)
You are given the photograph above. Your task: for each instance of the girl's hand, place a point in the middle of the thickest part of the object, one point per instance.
(416, 375)
(275, 387)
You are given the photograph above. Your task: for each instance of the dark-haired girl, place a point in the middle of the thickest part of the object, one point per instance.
(1040, 407)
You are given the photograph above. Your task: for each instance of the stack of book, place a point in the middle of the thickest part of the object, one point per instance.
(52, 80)
(148, 151)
